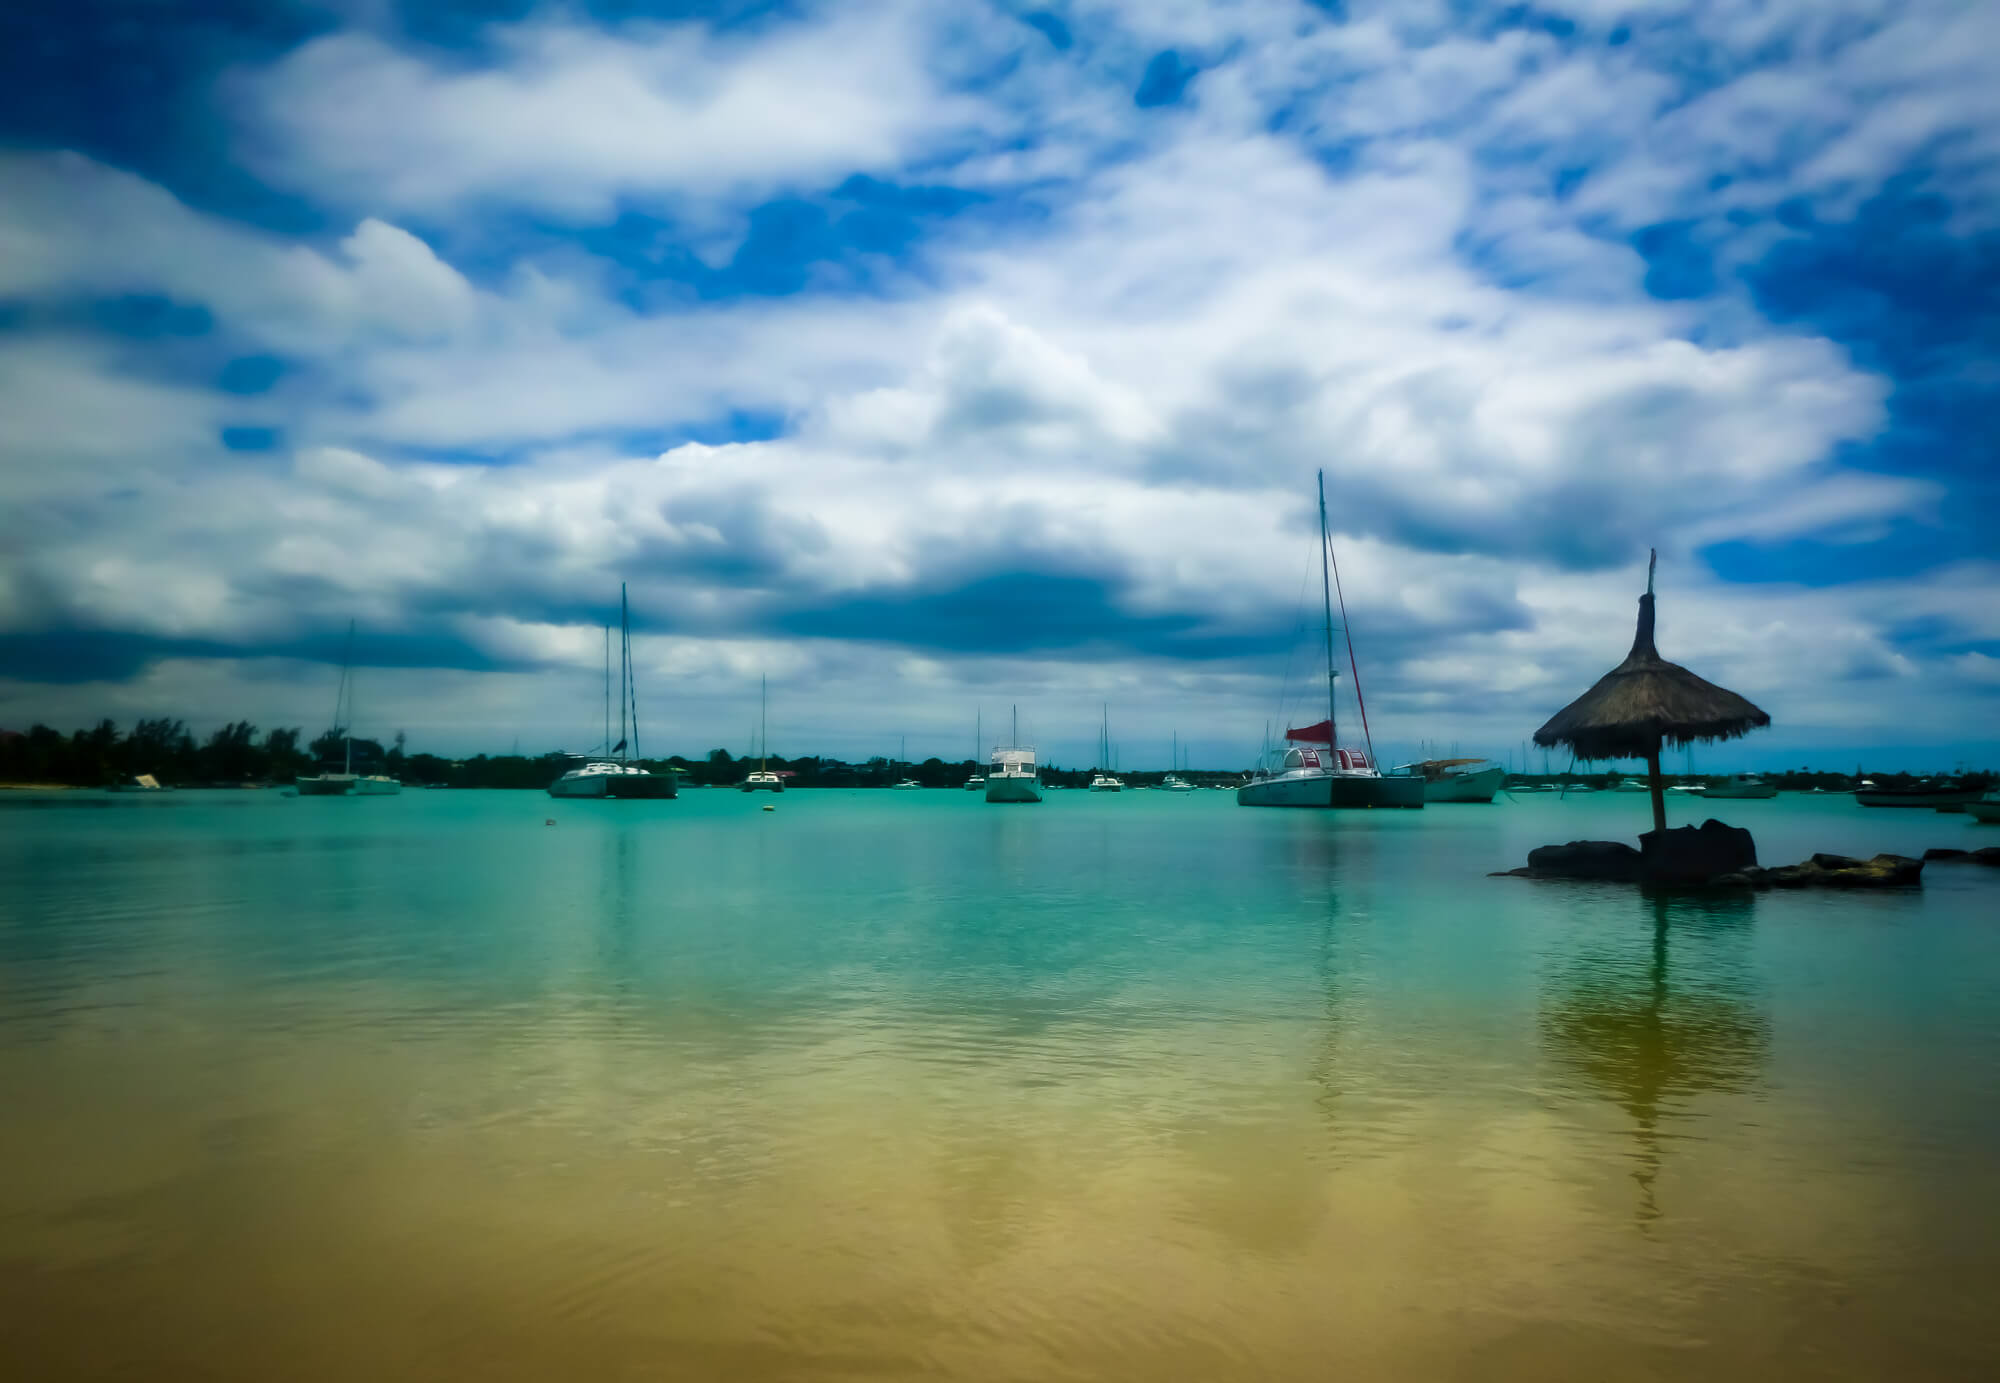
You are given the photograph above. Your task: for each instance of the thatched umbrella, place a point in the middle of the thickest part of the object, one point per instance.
(1646, 702)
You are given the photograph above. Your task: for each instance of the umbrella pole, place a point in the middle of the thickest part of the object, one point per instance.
(1659, 793)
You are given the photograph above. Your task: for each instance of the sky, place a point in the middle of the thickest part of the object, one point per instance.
(936, 359)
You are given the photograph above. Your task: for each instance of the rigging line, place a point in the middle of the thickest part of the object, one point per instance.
(1351, 665)
(1292, 651)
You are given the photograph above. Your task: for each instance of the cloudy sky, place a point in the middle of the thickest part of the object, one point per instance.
(936, 357)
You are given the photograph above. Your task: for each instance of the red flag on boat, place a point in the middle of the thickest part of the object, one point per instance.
(1321, 733)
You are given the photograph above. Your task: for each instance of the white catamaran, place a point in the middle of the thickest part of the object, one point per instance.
(618, 776)
(346, 783)
(1103, 780)
(1313, 770)
(763, 780)
(1012, 775)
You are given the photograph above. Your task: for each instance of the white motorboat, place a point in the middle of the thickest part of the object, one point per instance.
(1629, 785)
(1986, 809)
(1173, 782)
(1012, 774)
(907, 785)
(615, 774)
(1312, 770)
(346, 782)
(1455, 780)
(1743, 785)
(977, 780)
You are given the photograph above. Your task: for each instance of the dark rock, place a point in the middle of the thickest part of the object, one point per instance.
(1742, 878)
(1695, 855)
(1612, 861)
(1834, 862)
(1938, 853)
(1987, 855)
(1839, 871)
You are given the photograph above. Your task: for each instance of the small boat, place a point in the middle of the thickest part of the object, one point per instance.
(1924, 794)
(977, 780)
(907, 785)
(763, 780)
(1986, 809)
(1740, 785)
(1102, 780)
(1630, 785)
(1313, 770)
(1690, 789)
(1455, 780)
(1013, 775)
(1173, 782)
(346, 783)
(605, 776)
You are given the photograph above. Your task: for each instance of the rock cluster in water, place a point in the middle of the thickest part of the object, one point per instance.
(1715, 855)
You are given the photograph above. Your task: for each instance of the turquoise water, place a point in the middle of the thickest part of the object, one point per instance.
(906, 1086)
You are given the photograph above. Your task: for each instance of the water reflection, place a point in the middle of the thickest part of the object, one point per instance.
(1653, 1027)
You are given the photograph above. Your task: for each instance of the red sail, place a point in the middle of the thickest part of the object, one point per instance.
(1321, 733)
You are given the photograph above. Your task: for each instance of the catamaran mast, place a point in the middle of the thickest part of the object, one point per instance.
(607, 689)
(1326, 598)
(763, 723)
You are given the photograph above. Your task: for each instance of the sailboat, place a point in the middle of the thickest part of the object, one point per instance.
(763, 780)
(1313, 770)
(1173, 782)
(1103, 781)
(1012, 775)
(977, 780)
(346, 783)
(619, 776)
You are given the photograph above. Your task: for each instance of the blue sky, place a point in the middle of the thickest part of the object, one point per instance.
(937, 358)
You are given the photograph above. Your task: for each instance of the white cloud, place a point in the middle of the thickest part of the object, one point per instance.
(1127, 384)
(570, 118)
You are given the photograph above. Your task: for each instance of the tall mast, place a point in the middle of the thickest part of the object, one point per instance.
(1326, 598)
(607, 689)
(763, 723)
(628, 673)
(346, 693)
(978, 735)
(1017, 733)
(621, 672)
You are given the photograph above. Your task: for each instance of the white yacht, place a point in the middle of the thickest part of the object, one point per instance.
(1103, 780)
(346, 783)
(906, 785)
(1012, 775)
(977, 780)
(763, 780)
(1630, 785)
(1173, 782)
(1455, 780)
(1741, 785)
(1313, 770)
(614, 774)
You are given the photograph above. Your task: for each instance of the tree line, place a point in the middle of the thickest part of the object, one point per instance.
(239, 754)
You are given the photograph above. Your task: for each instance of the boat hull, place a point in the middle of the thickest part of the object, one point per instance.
(647, 787)
(1937, 797)
(1327, 791)
(1465, 787)
(1983, 811)
(761, 787)
(1013, 790)
(1740, 794)
(347, 785)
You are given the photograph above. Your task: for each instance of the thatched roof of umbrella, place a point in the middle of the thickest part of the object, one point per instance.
(1646, 702)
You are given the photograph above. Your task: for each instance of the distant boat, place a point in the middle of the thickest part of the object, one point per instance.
(1631, 785)
(1012, 775)
(906, 785)
(977, 780)
(1313, 770)
(1741, 785)
(1986, 808)
(1102, 780)
(619, 777)
(1455, 780)
(346, 783)
(763, 780)
(1924, 794)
